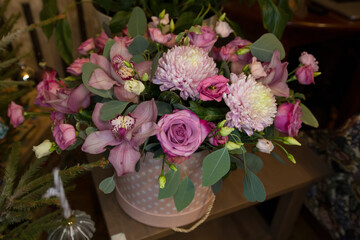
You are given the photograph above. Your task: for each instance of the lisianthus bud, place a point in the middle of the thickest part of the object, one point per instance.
(242, 51)
(221, 124)
(186, 41)
(265, 145)
(222, 17)
(172, 167)
(127, 64)
(43, 149)
(162, 181)
(172, 25)
(232, 146)
(291, 141)
(317, 74)
(134, 86)
(224, 131)
(223, 29)
(145, 77)
(162, 14)
(291, 158)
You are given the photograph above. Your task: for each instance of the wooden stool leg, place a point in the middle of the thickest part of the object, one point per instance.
(286, 214)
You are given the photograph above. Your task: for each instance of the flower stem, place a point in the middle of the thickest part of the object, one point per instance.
(31, 114)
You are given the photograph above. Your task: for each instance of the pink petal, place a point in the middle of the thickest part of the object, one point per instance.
(57, 103)
(119, 48)
(143, 67)
(124, 158)
(144, 112)
(97, 141)
(146, 130)
(123, 95)
(101, 61)
(100, 80)
(100, 124)
(79, 98)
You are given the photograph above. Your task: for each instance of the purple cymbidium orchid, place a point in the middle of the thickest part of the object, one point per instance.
(126, 133)
(116, 72)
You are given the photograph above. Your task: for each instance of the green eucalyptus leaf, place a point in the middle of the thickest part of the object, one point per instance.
(137, 24)
(111, 109)
(130, 109)
(138, 59)
(169, 97)
(216, 187)
(253, 187)
(171, 186)
(119, 21)
(264, 47)
(49, 10)
(64, 41)
(277, 157)
(215, 166)
(253, 162)
(184, 195)
(107, 185)
(225, 68)
(105, 4)
(90, 130)
(108, 45)
(185, 21)
(179, 106)
(307, 117)
(87, 69)
(154, 65)
(138, 45)
(207, 113)
(159, 153)
(151, 147)
(163, 108)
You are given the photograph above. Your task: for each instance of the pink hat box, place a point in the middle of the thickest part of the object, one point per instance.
(137, 194)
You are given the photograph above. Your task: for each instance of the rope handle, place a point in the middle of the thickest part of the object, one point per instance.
(203, 219)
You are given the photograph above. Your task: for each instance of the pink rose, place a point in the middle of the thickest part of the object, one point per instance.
(309, 59)
(305, 75)
(181, 133)
(212, 88)
(276, 76)
(216, 139)
(57, 117)
(205, 40)
(75, 67)
(100, 41)
(16, 115)
(48, 83)
(288, 118)
(158, 37)
(227, 52)
(86, 46)
(223, 29)
(64, 135)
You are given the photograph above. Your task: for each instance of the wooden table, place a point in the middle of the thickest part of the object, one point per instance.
(287, 181)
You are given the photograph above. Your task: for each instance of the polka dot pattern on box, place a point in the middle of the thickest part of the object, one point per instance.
(141, 188)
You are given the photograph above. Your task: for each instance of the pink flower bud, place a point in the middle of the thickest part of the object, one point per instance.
(64, 135)
(256, 69)
(205, 40)
(305, 75)
(223, 29)
(100, 41)
(288, 118)
(86, 46)
(265, 145)
(309, 59)
(16, 115)
(75, 67)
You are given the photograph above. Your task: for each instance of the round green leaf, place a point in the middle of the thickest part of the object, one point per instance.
(138, 45)
(253, 187)
(264, 47)
(308, 118)
(107, 185)
(215, 166)
(111, 109)
(137, 24)
(108, 45)
(184, 195)
(171, 186)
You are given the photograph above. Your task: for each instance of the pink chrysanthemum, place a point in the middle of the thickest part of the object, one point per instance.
(183, 68)
(252, 105)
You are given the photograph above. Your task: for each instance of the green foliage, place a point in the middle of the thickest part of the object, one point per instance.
(277, 157)
(308, 118)
(87, 69)
(264, 47)
(138, 59)
(185, 21)
(107, 48)
(155, 64)
(185, 194)
(215, 166)
(170, 97)
(119, 21)
(138, 45)
(207, 113)
(216, 187)
(253, 162)
(64, 41)
(275, 16)
(137, 24)
(48, 10)
(253, 187)
(171, 186)
(107, 185)
(163, 108)
(111, 109)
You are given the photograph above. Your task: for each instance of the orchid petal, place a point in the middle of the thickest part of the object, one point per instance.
(100, 80)
(144, 112)
(124, 95)
(146, 130)
(79, 98)
(119, 48)
(100, 124)
(101, 61)
(97, 141)
(124, 158)
(143, 67)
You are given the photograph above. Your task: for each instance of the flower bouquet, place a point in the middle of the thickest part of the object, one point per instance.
(203, 91)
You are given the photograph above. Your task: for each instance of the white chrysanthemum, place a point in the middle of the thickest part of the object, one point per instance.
(252, 105)
(183, 68)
